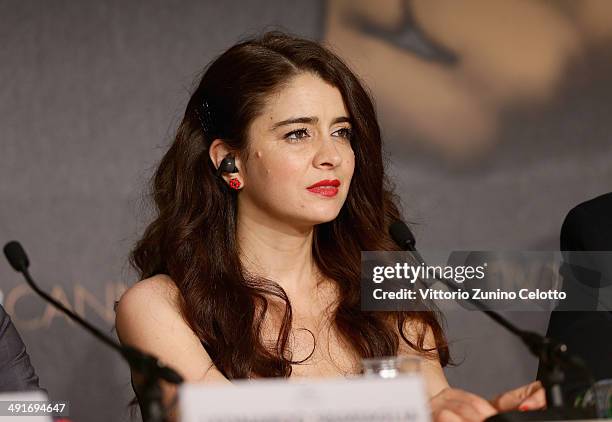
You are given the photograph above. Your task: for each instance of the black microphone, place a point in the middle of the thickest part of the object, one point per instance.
(404, 238)
(552, 353)
(402, 235)
(146, 364)
(16, 256)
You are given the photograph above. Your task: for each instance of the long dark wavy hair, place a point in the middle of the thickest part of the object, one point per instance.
(193, 236)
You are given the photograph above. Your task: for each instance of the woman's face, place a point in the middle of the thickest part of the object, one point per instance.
(302, 137)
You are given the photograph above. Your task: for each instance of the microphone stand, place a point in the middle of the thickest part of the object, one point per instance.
(552, 353)
(147, 365)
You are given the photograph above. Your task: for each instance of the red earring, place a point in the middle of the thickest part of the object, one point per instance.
(234, 183)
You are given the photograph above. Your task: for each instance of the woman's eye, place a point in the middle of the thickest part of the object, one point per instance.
(345, 132)
(297, 134)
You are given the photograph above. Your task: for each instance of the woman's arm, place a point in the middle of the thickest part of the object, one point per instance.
(447, 404)
(431, 369)
(148, 318)
(455, 405)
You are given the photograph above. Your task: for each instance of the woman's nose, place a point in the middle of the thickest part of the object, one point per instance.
(328, 153)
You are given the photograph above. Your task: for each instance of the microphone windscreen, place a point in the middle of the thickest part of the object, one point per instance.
(16, 256)
(402, 235)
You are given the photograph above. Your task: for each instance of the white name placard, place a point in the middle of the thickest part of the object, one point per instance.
(274, 400)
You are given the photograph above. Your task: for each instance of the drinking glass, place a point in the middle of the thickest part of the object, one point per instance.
(391, 366)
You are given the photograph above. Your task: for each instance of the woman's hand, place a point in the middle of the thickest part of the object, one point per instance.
(528, 397)
(454, 405)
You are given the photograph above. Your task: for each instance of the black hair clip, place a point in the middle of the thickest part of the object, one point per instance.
(206, 118)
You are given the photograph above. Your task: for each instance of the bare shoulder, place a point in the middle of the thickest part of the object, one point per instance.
(147, 310)
(148, 316)
(158, 290)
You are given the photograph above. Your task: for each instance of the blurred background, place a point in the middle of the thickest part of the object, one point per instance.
(495, 116)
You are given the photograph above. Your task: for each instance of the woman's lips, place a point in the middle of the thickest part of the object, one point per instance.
(327, 191)
(326, 187)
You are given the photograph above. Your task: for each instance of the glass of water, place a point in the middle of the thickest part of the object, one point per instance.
(391, 366)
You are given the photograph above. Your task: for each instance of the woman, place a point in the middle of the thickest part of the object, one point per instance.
(273, 185)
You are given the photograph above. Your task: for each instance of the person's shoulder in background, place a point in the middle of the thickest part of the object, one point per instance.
(588, 226)
(16, 370)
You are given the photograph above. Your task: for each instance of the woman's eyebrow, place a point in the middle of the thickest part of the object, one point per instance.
(308, 120)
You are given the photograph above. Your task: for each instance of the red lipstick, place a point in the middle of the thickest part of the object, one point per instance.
(326, 187)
